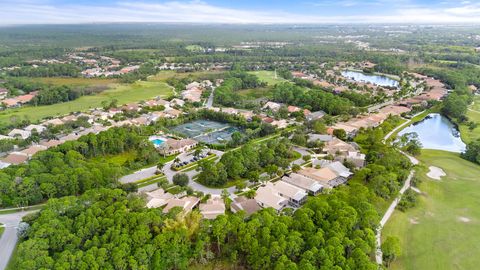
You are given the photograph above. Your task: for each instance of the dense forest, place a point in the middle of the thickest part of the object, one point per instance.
(106, 229)
(69, 170)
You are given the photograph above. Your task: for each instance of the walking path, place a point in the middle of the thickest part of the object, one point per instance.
(9, 238)
(393, 205)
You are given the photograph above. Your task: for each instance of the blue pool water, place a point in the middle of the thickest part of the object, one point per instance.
(157, 142)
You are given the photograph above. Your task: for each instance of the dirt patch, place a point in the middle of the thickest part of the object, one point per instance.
(435, 173)
(414, 221)
(464, 219)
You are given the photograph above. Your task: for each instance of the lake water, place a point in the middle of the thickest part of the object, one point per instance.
(375, 79)
(437, 132)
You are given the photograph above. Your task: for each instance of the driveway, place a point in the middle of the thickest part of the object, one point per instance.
(303, 151)
(169, 173)
(9, 238)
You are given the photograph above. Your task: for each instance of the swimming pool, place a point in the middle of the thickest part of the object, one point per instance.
(157, 141)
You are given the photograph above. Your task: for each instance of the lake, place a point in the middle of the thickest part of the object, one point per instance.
(375, 79)
(437, 132)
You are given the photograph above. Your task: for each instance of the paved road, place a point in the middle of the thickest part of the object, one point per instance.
(303, 151)
(400, 126)
(169, 173)
(209, 103)
(9, 238)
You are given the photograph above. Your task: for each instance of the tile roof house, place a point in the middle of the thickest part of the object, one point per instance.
(32, 150)
(296, 196)
(11, 102)
(337, 146)
(25, 98)
(267, 196)
(272, 106)
(249, 206)
(54, 122)
(177, 102)
(158, 198)
(327, 176)
(24, 134)
(3, 92)
(292, 109)
(212, 208)
(173, 146)
(186, 203)
(51, 143)
(15, 158)
(38, 128)
(311, 186)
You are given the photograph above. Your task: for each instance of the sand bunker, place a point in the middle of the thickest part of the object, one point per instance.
(464, 219)
(435, 173)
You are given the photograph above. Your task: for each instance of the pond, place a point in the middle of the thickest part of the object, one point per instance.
(375, 79)
(437, 132)
(211, 132)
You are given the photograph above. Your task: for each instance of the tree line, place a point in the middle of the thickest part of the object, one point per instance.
(106, 229)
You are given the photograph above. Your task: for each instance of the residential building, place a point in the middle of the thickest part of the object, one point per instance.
(311, 186)
(212, 208)
(241, 203)
(173, 146)
(38, 128)
(15, 158)
(3, 92)
(158, 198)
(186, 203)
(267, 196)
(32, 150)
(24, 134)
(272, 106)
(296, 196)
(315, 116)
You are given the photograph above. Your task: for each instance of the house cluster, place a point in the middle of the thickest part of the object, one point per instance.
(17, 101)
(293, 189)
(193, 91)
(96, 118)
(340, 150)
(98, 66)
(210, 209)
(18, 156)
(283, 123)
(352, 126)
(436, 90)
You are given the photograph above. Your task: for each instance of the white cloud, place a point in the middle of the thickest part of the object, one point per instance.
(45, 11)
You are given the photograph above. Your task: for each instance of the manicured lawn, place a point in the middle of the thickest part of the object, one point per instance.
(268, 77)
(1, 229)
(442, 232)
(124, 93)
(80, 81)
(165, 74)
(254, 93)
(473, 114)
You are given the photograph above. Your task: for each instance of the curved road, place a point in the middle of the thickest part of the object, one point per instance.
(9, 238)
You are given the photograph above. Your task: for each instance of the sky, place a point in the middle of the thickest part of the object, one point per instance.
(14, 12)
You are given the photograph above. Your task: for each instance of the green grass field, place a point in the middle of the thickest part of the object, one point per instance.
(1, 229)
(268, 77)
(473, 114)
(442, 232)
(124, 93)
(80, 81)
